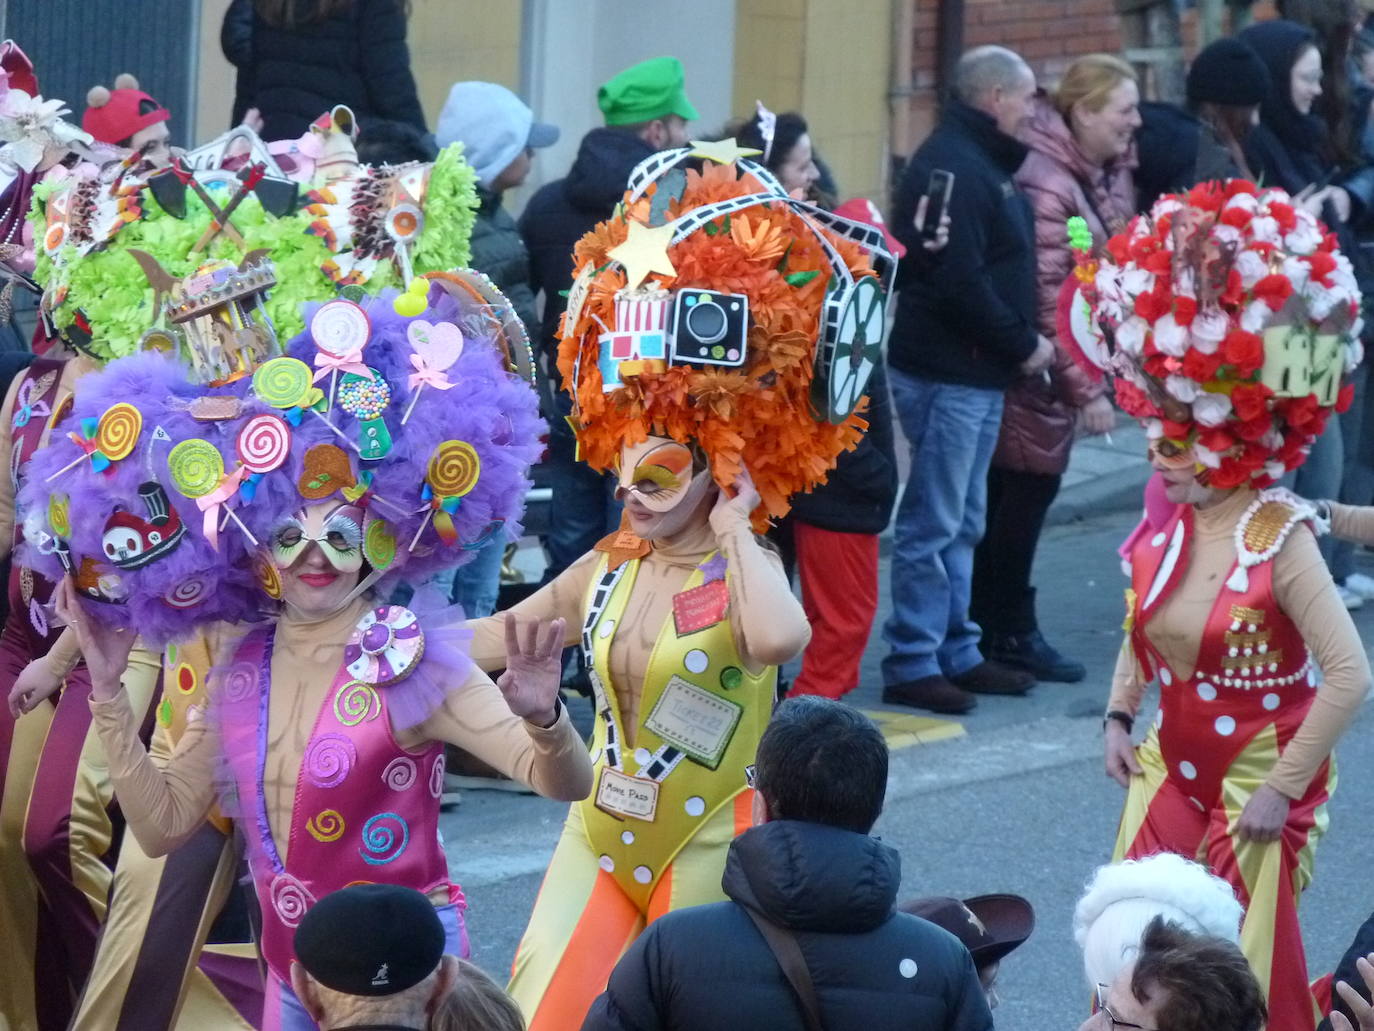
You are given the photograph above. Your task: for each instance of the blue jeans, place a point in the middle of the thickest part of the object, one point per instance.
(584, 505)
(476, 585)
(952, 431)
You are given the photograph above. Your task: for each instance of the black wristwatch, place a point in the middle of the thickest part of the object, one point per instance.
(1124, 718)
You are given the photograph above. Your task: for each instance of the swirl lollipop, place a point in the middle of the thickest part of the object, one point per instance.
(453, 472)
(285, 383)
(263, 443)
(340, 330)
(197, 471)
(379, 544)
(106, 440)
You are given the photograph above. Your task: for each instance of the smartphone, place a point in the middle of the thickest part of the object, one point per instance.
(937, 200)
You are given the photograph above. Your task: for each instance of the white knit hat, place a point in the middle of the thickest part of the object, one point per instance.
(492, 124)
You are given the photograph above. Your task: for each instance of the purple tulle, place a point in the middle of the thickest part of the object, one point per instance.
(197, 582)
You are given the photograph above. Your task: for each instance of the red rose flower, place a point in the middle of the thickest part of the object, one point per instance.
(1301, 413)
(1208, 196)
(1238, 217)
(1134, 401)
(1323, 264)
(1253, 429)
(1250, 399)
(1237, 186)
(1177, 430)
(1244, 351)
(1235, 290)
(1185, 309)
(1201, 367)
(1230, 474)
(1283, 214)
(1119, 247)
(1344, 398)
(1161, 263)
(1274, 290)
(1216, 438)
(1154, 305)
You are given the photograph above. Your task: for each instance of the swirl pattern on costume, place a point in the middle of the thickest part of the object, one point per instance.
(263, 443)
(379, 544)
(282, 382)
(340, 327)
(356, 702)
(436, 776)
(189, 593)
(196, 466)
(327, 825)
(453, 468)
(116, 433)
(240, 681)
(329, 759)
(399, 774)
(385, 837)
(290, 899)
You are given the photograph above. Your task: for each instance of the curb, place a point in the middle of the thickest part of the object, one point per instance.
(1111, 492)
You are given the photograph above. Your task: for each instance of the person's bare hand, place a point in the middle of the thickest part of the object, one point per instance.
(253, 119)
(1340, 202)
(732, 512)
(534, 668)
(1040, 358)
(1363, 1011)
(941, 231)
(105, 649)
(1097, 416)
(1121, 763)
(1313, 200)
(1264, 815)
(35, 683)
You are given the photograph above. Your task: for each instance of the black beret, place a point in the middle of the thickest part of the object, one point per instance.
(370, 939)
(1228, 72)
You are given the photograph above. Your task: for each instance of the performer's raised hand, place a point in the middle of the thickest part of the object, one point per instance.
(35, 683)
(1363, 1011)
(733, 508)
(105, 649)
(534, 669)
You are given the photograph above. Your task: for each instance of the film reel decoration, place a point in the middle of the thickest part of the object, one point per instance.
(851, 347)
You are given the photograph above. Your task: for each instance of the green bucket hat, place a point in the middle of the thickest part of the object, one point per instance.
(645, 91)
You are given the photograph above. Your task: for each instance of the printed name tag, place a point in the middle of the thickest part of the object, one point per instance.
(694, 720)
(700, 607)
(624, 795)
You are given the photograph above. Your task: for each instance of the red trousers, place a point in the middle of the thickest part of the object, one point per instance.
(839, 587)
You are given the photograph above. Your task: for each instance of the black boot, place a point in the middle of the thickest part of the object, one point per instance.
(1032, 653)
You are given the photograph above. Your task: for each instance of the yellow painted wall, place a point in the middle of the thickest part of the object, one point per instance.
(831, 62)
(214, 76)
(456, 40)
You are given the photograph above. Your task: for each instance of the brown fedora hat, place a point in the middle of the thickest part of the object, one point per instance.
(990, 926)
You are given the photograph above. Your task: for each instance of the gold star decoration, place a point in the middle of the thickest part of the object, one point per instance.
(644, 251)
(722, 152)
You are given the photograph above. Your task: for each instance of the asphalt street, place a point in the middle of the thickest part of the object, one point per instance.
(1016, 802)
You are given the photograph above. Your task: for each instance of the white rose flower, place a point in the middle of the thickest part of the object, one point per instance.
(1182, 388)
(1225, 234)
(1252, 268)
(1170, 337)
(1154, 429)
(1274, 470)
(1354, 347)
(1208, 330)
(1211, 409)
(1304, 238)
(1243, 201)
(1206, 456)
(1136, 281)
(1255, 317)
(1264, 229)
(1130, 335)
(1272, 439)
(1297, 272)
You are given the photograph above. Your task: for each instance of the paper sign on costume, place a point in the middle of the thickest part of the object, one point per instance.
(624, 795)
(700, 607)
(694, 720)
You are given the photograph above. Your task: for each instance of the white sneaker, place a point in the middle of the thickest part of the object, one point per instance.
(1349, 598)
(1361, 584)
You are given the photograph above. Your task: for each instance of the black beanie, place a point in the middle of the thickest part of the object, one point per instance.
(1228, 72)
(370, 939)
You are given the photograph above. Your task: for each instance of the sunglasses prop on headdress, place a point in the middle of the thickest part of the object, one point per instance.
(657, 328)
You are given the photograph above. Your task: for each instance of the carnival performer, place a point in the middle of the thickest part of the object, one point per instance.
(689, 347)
(1229, 319)
(329, 721)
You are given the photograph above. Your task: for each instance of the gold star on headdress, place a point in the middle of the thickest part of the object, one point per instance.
(722, 152)
(644, 251)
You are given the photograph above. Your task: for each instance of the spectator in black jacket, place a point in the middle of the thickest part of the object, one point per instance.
(499, 136)
(809, 871)
(965, 331)
(296, 59)
(646, 110)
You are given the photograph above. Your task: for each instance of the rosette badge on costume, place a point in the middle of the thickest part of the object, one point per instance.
(1229, 320)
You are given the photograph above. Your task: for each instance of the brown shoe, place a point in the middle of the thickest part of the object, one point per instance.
(934, 693)
(994, 678)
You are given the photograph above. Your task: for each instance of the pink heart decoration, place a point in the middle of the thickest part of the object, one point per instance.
(438, 345)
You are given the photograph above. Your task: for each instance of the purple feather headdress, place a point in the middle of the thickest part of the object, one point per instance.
(471, 417)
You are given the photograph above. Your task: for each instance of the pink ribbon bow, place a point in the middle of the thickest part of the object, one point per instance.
(426, 374)
(350, 362)
(210, 504)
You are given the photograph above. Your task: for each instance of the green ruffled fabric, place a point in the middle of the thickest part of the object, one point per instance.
(109, 286)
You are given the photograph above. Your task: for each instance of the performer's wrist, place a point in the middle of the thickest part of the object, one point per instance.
(546, 722)
(1119, 716)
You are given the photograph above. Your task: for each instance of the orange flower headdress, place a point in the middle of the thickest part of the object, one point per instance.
(714, 309)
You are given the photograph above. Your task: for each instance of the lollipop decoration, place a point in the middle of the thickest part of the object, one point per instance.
(286, 384)
(365, 398)
(106, 440)
(379, 544)
(434, 350)
(263, 444)
(404, 223)
(453, 472)
(340, 330)
(385, 646)
(197, 471)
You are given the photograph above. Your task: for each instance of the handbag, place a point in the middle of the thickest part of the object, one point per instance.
(788, 953)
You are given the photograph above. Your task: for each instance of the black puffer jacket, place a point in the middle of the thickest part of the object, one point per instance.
(292, 76)
(858, 495)
(563, 211)
(966, 314)
(499, 252)
(873, 969)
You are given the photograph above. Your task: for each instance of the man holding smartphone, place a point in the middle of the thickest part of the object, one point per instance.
(965, 330)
